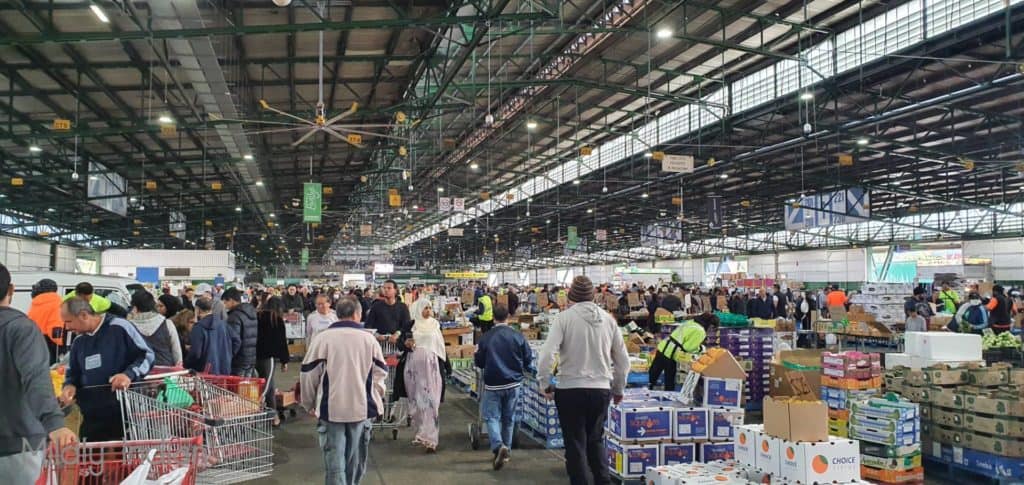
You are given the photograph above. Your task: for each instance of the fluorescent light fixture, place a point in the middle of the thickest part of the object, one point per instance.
(547, 221)
(590, 211)
(93, 177)
(166, 120)
(806, 96)
(238, 208)
(576, 181)
(34, 148)
(272, 215)
(247, 156)
(723, 176)
(474, 165)
(51, 209)
(531, 125)
(440, 189)
(415, 207)
(604, 189)
(862, 141)
(648, 154)
(259, 183)
(664, 33)
(644, 195)
(98, 12)
(133, 199)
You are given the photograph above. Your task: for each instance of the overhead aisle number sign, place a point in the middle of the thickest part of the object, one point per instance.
(312, 202)
(829, 209)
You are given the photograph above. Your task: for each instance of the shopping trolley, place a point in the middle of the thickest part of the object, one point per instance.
(113, 461)
(477, 428)
(394, 412)
(236, 430)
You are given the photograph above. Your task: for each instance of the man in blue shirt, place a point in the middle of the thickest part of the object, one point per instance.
(108, 355)
(504, 355)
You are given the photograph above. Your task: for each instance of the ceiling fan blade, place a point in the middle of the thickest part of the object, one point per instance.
(275, 130)
(282, 113)
(368, 133)
(350, 112)
(343, 138)
(305, 137)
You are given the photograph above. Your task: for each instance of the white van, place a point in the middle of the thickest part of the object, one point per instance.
(117, 290)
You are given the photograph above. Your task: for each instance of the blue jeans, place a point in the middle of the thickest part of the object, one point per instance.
(499, 413)
(345, 447)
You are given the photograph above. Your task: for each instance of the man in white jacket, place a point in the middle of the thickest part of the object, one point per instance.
(592, 368)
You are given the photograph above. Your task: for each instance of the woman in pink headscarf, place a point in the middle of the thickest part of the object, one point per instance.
(423, 382)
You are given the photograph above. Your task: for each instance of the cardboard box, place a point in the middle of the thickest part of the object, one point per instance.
(896, 464)
(723, 392)
(768, 454)
(880, 408)
(943, 434)
(944, 375)
(914, 475)
(644, 420)
(994, 425)
(723, 421)
(677, 453)
(953, 418)
(717, 452)
(805, 362)
(900, 437)
(997, 375)
(1002, 446)
(746, 441)
(796, 420)
(994, 403)
(876, 449)
(837, 460)
(631, 459)
(943, 397)
(691, 424)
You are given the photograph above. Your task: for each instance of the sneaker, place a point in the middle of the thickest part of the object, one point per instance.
(501, 457)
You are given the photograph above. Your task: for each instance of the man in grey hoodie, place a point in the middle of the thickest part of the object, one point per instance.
(28, 413)
(592, 370)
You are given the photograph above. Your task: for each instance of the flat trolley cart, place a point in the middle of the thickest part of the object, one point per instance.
(113, 461)
(235, 429)
(477, 428)
(393, 413)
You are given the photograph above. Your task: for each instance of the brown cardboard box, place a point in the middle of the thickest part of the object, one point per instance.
(916, 394)
(796, 420)
(1001, 446)
(943, 397)
(838, 313)
(953, 418)
(939, 322)
(946, 435)
(926, 412)
(467, 351)
(1017, 376)
(1000, 404)
(809, 360)
(633, 299)
(997, 375)
(944, 376)
(994, 425)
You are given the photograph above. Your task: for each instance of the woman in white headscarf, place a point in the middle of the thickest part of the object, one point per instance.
(423, 383)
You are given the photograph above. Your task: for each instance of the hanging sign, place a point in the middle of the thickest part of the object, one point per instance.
(312, 202)
(304, 258)
(459, 204)
(455, 232)
(601, 234)
(61, 124)
(354, 138)
(829, 209)
(444, 204)
(677, 163)
(365, 230)
(572, 240)
(715, 213)
(168, 131)
(395, 200)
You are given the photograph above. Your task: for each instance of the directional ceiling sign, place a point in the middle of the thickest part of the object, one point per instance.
(829, 209)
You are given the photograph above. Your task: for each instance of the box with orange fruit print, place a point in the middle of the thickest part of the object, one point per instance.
(834, 461)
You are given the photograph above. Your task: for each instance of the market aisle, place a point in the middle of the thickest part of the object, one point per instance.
(297, 456)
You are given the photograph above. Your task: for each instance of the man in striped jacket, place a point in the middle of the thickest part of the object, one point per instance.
(342, 383)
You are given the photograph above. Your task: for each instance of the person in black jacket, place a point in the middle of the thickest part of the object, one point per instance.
(760, 306)
(293, 301)
(781, 303)
(271, 345)
(242, 322)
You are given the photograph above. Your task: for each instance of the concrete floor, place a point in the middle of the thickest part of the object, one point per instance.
(298, 459)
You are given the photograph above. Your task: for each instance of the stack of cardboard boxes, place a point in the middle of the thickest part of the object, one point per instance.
(793, 446)
(880, 302)
(847, 377)
(971, 415)
(649, 428)
(890, 435)
(753, 348)
(539, 416)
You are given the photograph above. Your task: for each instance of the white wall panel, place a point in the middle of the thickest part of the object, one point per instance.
(204, 265)
(1007, 256)
(25, 254)
(66, 256)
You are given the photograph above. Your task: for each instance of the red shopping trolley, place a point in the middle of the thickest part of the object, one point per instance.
(111, 462)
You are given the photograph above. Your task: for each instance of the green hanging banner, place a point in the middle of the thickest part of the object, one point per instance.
(304, 258)
(312, 202)
(573, 239)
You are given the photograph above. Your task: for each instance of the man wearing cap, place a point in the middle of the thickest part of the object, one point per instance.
(99, 304)
(45, 312)
(592, 369)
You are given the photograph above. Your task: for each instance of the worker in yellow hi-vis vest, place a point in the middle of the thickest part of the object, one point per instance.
(685, 342)
(485, 312)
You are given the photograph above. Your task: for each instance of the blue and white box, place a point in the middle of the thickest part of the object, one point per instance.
(691, 424)
(722, 422)
(645, 421)
(632, 459)
(717, 452)
(677, 453)
(723, 392)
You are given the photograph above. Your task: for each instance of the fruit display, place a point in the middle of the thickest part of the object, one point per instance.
(1005, 340)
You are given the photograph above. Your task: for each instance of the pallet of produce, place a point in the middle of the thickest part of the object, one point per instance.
(892, 476)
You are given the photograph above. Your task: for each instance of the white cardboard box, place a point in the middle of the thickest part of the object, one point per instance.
(837, 460)
(746, 442)
(944, 346)
(768, 454)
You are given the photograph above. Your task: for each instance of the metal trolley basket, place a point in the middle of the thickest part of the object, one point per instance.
(394, 411)
(113, 461)
(236, 430)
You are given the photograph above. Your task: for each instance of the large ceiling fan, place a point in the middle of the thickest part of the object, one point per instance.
(352, 133)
